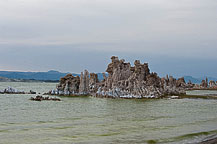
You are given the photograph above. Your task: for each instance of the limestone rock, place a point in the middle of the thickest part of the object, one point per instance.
(137, 81)
(123, 81)
(181, 82)
(41, 98)
(204, 83)
(171, 86)
(68, 85)
(11, 90)
(190, 85)
(212, 84)
(93, 83)
(84, 83)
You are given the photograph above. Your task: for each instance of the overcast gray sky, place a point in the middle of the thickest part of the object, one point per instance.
(177, 37)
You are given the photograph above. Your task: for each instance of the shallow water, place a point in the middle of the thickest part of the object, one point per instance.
(98, 120)
(202, 92)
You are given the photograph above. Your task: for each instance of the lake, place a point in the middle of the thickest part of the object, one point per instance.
(89, 120)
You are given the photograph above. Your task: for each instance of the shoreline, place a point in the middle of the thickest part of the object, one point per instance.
(214, 97)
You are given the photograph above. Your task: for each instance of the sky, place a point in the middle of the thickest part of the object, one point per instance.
(176, 37)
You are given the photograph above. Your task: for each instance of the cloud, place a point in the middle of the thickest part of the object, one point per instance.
(82, 21)
(182, 28)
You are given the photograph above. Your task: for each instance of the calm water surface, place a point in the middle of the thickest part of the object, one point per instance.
(82, 120)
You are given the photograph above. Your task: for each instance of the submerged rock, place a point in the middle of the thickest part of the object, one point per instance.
(123, 81)
(41, 98)
(32, 92)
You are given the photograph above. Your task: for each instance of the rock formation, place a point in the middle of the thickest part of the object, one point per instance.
(41, 98)
(204, 83)
(68, 85)
(137, 82)
(181, 82)
(84, 83)
(93, 83)
(190, 85)
(212, 84)
(11, 90)
(123, 81)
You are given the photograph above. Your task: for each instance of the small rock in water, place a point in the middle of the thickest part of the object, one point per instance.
(41, 98)
(174, 97)
(32, 92)
(11, 90)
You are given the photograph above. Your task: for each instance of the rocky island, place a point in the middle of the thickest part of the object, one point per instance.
(122, 81)
(41, 98)
(11, 90)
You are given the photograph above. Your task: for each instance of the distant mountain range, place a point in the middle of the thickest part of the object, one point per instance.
(50, 75)
(56, 75)
(35, 76)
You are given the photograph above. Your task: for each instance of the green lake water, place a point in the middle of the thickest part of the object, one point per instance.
(89, 120)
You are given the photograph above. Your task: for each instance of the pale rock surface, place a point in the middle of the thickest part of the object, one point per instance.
(123, 81)
(84, 83)
(137, 82)
(68, 85)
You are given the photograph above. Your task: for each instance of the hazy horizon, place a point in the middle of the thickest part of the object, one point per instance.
(176, 37)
